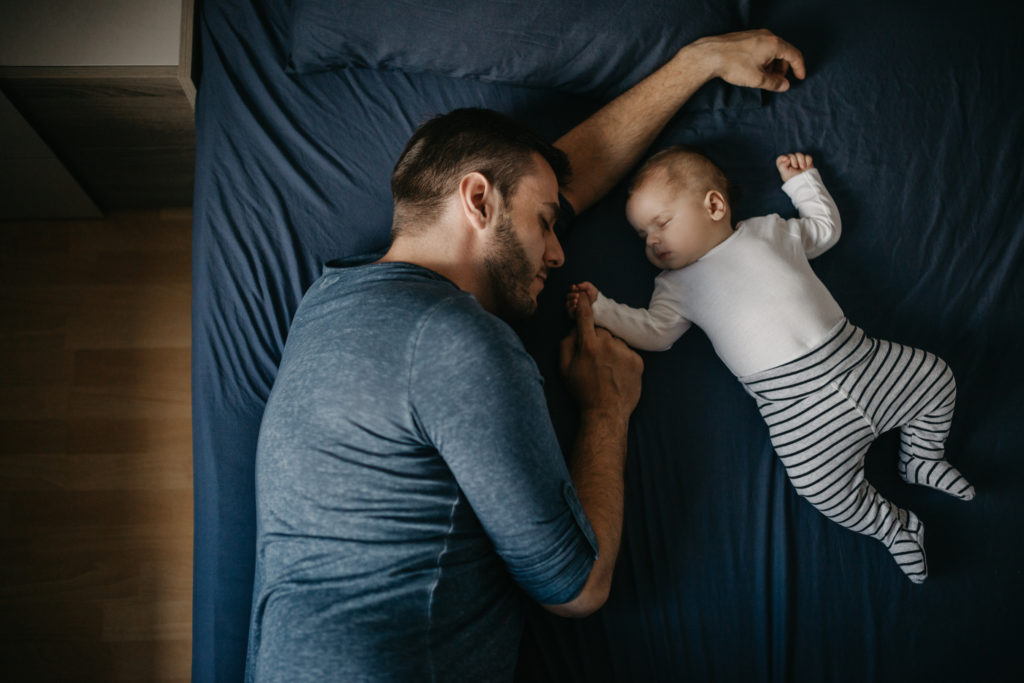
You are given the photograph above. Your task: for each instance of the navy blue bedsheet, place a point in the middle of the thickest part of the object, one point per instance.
(916, 119)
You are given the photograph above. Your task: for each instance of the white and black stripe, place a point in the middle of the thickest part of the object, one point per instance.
(824, 409)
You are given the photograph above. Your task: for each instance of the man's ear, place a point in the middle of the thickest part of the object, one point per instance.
(477, 199)
(716, 205)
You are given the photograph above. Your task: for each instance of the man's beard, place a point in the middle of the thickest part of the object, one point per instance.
(510, 274)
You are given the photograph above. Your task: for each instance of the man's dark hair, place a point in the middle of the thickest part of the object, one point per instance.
(447, 147)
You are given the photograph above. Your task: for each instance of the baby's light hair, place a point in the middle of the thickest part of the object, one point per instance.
(687, 168)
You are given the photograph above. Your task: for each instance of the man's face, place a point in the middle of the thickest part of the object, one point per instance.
(524, 247)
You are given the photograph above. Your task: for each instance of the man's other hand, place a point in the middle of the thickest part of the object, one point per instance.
(753, 59)
(603, 373)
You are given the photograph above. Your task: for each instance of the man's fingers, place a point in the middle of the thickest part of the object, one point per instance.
(584, 319)
(784, 58)
(768, 80)
(774, 76)
(792, 58)
(568, 350)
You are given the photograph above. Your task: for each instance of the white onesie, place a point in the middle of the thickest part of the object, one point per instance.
(754, 295)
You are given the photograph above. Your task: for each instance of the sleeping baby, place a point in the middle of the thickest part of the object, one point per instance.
(825, 389)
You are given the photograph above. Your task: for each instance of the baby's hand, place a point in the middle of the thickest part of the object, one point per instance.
(572, 299)
(791, 165)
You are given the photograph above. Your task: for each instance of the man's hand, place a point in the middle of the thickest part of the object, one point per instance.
(753, 59)
(603, 373)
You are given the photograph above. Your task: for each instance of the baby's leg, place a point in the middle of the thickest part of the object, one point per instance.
(915, 391)
(923, 439)
(822, 442)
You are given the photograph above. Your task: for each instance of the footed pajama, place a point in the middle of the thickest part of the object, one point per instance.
(825, 408)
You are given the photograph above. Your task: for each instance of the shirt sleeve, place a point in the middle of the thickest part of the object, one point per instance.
(655, 328)
(819, 226)
(478, 398)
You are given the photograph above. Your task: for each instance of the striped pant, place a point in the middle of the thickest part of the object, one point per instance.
(824, 409)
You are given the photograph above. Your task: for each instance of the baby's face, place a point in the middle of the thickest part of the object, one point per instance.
(674, 225)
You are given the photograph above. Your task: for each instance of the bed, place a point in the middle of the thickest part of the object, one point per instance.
(914, 114)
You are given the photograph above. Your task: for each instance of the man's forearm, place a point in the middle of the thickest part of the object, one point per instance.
(598, 462)
(605, 376)
(607, 145)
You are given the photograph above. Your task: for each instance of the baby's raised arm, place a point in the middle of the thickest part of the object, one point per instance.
(819, 226)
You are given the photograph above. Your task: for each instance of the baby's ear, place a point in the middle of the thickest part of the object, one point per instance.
(716, 205)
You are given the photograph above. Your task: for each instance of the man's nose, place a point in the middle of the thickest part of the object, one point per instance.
(554, 257)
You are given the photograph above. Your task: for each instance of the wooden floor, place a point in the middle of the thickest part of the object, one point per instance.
(95, 449)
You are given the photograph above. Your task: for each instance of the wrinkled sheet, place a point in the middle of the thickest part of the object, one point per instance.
(915, 118)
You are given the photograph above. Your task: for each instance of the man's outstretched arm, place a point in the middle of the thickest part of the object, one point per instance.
(607, 145)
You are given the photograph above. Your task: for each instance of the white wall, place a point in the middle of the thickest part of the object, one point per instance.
(89, 32)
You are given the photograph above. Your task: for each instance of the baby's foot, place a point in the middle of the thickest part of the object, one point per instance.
(936, 474)
(907, 547)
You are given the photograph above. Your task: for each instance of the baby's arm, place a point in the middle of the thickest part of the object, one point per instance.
(819, 226)
(654, 328)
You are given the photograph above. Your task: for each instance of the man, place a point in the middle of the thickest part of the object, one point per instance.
(408, 476)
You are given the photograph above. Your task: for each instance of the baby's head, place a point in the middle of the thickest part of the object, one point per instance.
(679, 204)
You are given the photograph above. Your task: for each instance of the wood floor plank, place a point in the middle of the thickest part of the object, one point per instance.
(36, 367)
(143, 620)
(46, 401)
(33, 237)
(44, 298)
(81, 620)
(31, 327)
(99, 570)
(158, 373)
(50, 582)
(93, 512)
(165, 435)
(162, 435)
(28, 436)
(129, 316)
(114, 662)
(131, 383)
(133, 232)
(53, 472)
(169, 267)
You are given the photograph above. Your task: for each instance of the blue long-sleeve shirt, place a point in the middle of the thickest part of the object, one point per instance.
(408, 477)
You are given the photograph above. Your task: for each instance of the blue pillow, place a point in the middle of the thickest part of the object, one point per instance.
(593, 47)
